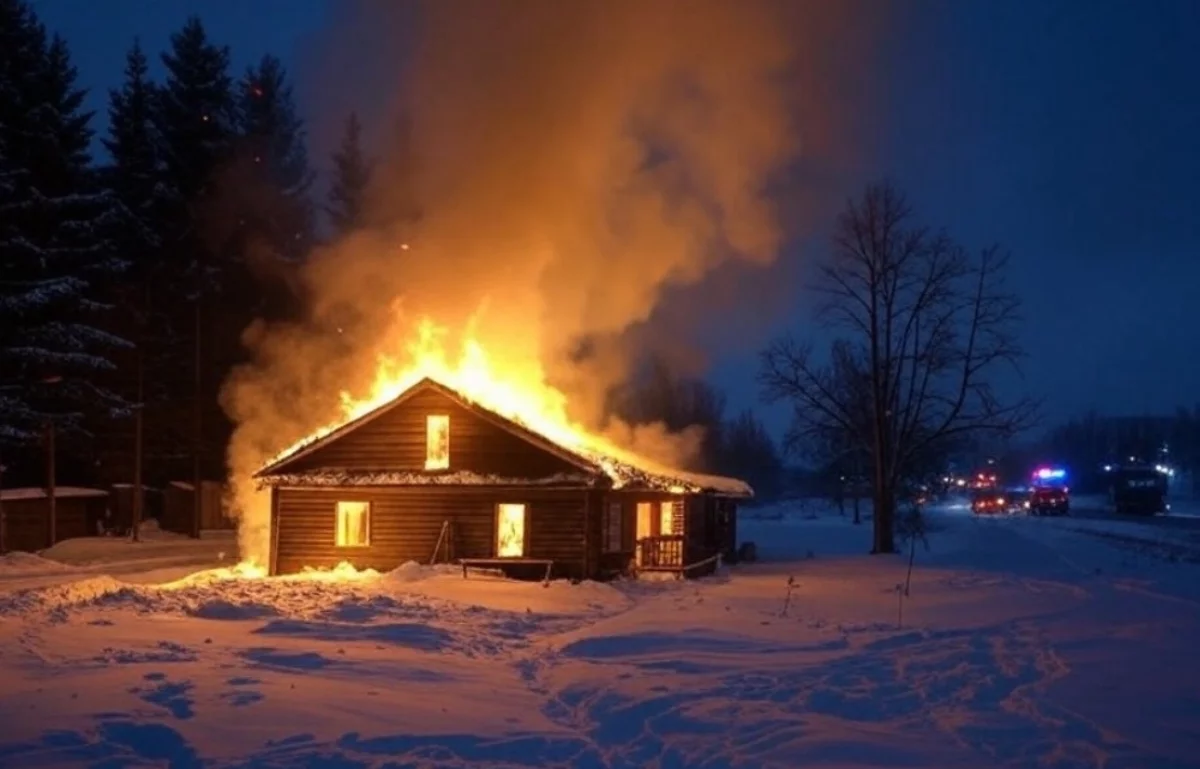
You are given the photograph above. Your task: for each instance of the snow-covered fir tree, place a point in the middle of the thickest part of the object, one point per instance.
(55, 240)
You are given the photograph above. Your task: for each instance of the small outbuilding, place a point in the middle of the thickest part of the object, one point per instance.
(431, 476)
(29, 522)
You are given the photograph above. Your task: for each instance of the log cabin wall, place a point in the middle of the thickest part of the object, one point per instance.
(396, 440)
(405, 522)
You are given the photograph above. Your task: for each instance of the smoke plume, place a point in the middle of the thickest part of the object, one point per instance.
(573, 161)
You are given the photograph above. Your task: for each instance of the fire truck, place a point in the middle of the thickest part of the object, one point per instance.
(1048, 492)
(1137, 489)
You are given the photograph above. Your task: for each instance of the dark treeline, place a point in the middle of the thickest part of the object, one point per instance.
(737, 445)
(1088, 442)
(128, 278)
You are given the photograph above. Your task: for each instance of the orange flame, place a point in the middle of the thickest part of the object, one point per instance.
(521, 394)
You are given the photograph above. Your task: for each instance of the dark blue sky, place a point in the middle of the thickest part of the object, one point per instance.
(1066, 130)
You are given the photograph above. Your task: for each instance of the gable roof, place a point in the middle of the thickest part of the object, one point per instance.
(617, 472)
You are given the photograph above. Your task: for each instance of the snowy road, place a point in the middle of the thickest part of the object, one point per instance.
(1183, 515)
(1022, 644)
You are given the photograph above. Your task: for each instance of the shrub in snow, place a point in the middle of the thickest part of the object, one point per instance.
(787, 598)
(911, 526)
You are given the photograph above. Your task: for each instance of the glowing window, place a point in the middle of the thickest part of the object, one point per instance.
(645, 520)
(666, 518)
(437, 442)
(510, 531)
(353, 524)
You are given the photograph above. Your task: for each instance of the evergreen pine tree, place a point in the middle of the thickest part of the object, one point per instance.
(136, 173)
(55, 238)
(136, 178)
(195, 114)
(263, 220)
(196, 120)
(351, 175)
(273, 137)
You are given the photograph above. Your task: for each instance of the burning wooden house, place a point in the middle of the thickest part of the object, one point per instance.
(432, 476)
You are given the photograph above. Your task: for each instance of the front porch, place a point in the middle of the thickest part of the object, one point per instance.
(663, 552)
(669, 553)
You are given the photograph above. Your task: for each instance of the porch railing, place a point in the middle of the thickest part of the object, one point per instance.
(662, 552)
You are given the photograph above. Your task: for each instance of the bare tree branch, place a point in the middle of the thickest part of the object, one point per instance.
(924, 325)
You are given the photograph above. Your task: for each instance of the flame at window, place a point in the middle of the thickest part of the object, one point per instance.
(437, 442)
(510, 531)
(353, 524)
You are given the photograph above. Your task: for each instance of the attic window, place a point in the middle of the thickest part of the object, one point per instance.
(437, 442)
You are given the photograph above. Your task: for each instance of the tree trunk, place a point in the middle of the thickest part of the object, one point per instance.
(3, 516)
(197, 425)
(51, 482)
(884, 520)
(138, 450)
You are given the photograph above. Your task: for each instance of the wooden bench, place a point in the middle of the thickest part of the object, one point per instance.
(484, 563)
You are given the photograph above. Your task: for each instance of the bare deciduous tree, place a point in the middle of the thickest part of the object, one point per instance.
(921, 326)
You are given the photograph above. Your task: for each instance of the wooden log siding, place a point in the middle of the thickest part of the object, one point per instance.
(395, 440)
(405, 523)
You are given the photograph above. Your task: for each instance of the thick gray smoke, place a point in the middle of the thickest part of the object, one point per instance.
(576, 160)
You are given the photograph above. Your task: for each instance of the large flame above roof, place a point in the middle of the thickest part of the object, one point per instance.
(522, 397)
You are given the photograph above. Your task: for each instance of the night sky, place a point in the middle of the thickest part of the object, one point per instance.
(1065, 130)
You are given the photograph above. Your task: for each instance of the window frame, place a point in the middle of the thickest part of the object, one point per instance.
(430, 421)
(337, 523)
(614, 511)
(524, 530)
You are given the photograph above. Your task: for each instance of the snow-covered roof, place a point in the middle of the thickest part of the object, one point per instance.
(596, 468)
(60, 492)
(353, 477)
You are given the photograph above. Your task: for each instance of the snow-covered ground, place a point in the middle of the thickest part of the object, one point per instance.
(158, 556)
(1023, 643)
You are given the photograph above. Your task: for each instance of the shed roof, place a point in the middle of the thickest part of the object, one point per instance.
(595, 468)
